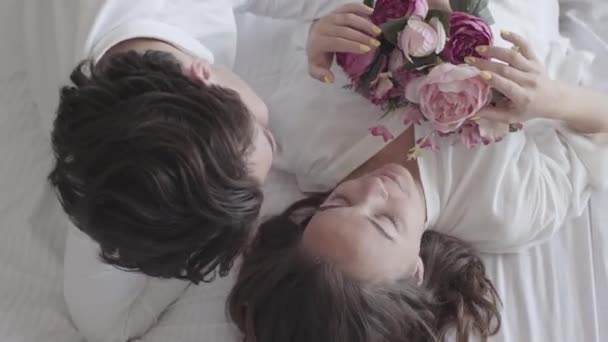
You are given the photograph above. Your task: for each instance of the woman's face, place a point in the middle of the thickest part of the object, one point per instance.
(371, 227)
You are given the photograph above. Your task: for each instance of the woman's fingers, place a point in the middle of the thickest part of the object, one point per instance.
(501, 69)
(522, 44)
(357, 22)
(337, 44)
(357, 8)
(353, 35)
(509, 56)
(508, 88)
(321, 73)
(496, 114)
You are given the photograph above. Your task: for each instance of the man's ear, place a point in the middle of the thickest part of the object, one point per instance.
(419, 273)
(199, 71)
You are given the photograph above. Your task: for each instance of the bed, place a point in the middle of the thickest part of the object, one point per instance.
(553, 292)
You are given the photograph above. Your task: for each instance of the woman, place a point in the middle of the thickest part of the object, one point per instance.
(383, 257)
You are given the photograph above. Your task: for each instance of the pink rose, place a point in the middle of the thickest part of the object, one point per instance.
(420, 39)
(466, 33)
(449, 95)
(355, 65)
(386, 10)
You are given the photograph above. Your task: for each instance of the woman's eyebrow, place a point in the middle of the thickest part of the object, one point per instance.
(329, 207)
(372, 221)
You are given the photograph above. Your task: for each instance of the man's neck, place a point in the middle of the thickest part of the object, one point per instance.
(141, 45)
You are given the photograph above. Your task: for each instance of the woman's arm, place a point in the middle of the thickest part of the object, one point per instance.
(583, 109)
(531, 94)
(291, 9)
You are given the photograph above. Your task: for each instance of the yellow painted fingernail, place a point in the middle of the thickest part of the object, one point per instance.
(377, 30)
(374, 42)
(516, 48)
(327, 79)
(486, 76)
(505, 33)
(470, 60)
(482, 49)
(364, 48)
(475, 118)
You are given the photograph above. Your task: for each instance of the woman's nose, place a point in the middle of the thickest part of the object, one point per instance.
(374, 190)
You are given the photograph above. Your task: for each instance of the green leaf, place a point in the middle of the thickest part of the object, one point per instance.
(391, 30)
(474, 7)
(444, 18)
(423, 62)
(369, 3)
(392, 105)
(460, 5)
(486, 15)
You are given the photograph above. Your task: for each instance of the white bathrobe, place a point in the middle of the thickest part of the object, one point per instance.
(60, 33)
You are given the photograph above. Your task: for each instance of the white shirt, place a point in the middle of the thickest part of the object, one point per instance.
(61, 33)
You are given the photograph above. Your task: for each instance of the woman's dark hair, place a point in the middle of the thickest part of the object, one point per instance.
(283, 295)
(153, 166)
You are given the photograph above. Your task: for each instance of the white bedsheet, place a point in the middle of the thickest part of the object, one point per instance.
(31, 223)
(554, 292)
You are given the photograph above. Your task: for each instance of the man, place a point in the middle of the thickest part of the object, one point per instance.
(160, 150)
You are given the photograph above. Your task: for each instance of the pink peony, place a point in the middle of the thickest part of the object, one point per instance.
(466, 33)
(420, 39)
(386, 10)
(355, 65)
(449, 95)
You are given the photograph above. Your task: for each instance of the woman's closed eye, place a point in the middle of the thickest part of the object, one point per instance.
(336, 201)
(387, 219)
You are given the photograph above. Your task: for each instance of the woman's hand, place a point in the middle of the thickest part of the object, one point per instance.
(522, 80)
(347, 30)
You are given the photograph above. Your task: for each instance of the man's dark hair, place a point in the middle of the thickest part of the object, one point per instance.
(153, 166)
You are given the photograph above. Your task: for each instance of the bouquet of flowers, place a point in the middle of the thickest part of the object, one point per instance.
(420, 69)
